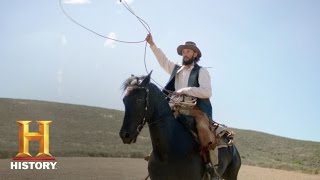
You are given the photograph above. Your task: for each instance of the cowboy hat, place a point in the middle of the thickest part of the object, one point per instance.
(189, 45)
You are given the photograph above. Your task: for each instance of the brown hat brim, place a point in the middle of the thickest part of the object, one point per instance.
(194, 48)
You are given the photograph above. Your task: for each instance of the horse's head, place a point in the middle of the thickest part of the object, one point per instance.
(137, 107)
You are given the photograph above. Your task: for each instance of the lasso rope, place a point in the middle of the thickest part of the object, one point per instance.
(143, 22)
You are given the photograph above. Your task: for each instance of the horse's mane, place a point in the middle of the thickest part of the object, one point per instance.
(132, 81)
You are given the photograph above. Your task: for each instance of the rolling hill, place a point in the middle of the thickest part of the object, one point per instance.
(81, 131)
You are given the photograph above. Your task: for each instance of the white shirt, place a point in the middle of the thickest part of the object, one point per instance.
(182, 76)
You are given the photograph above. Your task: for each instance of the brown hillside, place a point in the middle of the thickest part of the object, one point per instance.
(91, 131)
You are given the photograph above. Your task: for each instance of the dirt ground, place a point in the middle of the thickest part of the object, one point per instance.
(125, 169)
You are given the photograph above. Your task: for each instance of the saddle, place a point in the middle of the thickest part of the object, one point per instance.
(220, 131)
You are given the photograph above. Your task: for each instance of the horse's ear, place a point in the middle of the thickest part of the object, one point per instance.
(146, 80)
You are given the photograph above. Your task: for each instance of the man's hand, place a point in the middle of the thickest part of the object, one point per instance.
(149, 40)
(179, 92)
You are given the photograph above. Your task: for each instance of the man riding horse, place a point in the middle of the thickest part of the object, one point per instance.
(189, 81)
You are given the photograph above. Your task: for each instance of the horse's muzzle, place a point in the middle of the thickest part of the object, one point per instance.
(127, 138)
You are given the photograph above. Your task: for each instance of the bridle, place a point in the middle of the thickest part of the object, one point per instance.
(144, 119)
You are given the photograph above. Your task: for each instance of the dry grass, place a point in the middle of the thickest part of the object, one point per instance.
(82, 131)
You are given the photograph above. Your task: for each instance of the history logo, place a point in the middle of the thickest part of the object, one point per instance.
(24, 160)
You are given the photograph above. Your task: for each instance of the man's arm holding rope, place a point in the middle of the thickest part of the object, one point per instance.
(164, 62)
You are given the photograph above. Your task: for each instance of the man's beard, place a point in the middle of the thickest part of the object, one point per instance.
(186, 61)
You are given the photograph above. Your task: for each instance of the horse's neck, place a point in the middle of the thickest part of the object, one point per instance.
(161, 134)
(162, 127)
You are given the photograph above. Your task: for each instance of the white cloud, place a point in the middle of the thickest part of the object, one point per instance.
(76, 1)
(109, 42)
(64, 40)
(127, 1)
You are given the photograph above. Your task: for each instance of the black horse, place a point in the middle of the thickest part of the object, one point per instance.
(175, 152)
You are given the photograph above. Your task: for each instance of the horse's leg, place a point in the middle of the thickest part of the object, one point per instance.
(232, 170)
(223, 161)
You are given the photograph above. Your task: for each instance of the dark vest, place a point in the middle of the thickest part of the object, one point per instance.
(203, 104)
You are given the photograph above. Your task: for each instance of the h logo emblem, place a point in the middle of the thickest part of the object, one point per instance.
(42, 136)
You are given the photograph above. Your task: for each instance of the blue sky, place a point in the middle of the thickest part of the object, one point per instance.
(264, 55)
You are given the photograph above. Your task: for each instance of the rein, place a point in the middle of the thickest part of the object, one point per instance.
(144, 119)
